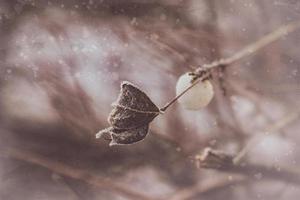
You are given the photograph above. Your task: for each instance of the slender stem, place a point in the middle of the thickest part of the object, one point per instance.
(247, 51)
(256, 46)
(179, 95)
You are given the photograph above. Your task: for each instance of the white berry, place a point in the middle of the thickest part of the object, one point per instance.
(198, 96)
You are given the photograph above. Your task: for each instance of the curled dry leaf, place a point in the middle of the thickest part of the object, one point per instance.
(130, 116)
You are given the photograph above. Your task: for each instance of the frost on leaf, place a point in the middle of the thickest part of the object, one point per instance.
(130, 116)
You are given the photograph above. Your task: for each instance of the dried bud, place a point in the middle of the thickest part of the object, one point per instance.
(130, 117)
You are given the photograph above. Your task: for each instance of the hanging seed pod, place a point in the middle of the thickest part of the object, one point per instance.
(130, 116)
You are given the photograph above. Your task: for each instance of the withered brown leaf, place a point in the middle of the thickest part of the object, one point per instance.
(130, 116)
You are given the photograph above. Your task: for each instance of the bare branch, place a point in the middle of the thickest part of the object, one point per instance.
(78, 174)
(256, 46)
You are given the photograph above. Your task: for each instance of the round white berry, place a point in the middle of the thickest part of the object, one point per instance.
(198, 96)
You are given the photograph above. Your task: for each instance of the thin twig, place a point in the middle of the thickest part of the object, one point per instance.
(247, 51)
(207, 188)
(218, 160)
(178, 96)
(63, 182)
(256, 46)
(257, 171)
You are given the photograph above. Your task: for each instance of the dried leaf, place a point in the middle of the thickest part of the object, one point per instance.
(132, 109)
(130, 117)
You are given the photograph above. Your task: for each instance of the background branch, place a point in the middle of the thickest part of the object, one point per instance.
(274, 127)
(254, 47)
(65, 170)
(223, 162)
(247, 51)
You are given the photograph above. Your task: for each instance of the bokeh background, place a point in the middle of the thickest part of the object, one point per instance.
(61, 65)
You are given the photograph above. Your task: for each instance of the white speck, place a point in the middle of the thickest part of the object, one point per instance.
(75, 48)
(154, 36)
(212, 142)
(77, 75)
(116, 65)
(258, 176)
(278, 169)
(115, 76)
(8, 71)
(295, 72)
(163, 17)
(134, 21)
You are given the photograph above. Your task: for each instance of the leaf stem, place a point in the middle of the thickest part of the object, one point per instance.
(163, 109)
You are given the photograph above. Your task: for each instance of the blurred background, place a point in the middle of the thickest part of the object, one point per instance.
(61, 65)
